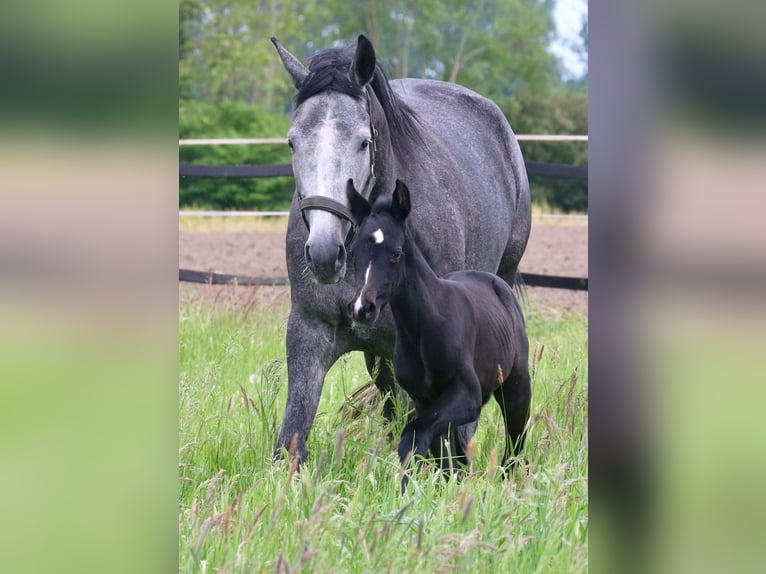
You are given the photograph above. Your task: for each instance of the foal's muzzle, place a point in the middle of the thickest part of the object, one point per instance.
(363, 309)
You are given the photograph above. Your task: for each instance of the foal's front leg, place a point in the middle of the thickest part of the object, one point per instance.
(450, 448)
(459, 404)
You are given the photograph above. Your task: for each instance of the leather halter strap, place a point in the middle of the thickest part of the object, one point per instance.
(328, 204)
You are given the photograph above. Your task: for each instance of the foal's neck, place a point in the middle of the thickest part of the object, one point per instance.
(417, 293)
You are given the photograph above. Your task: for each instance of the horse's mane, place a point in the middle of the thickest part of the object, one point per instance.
(328, 71)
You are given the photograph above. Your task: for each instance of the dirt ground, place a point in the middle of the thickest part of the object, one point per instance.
(555, 247)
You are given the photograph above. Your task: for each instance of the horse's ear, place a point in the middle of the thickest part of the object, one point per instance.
(363, 67)
(360, 207)
(400, 205)
(293, 65)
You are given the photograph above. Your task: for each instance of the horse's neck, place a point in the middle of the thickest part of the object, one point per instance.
(385, 159)
(416, 296)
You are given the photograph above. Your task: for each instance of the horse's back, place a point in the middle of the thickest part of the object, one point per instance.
(447, 108)
(475, 156)
(469, 125)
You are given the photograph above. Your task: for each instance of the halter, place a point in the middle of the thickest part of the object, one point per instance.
(335, 207)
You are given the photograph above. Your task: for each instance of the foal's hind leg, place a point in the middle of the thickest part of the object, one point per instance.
(514, 397)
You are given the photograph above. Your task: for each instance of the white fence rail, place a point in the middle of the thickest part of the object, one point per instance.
(260, 141)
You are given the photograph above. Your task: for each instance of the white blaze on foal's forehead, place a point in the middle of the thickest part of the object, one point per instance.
(377, 236)
(358, 302)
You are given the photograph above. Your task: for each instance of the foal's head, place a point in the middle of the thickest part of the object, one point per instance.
(377, 250)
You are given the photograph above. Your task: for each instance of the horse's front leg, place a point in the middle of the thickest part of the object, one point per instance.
(311, 351)
(459, 405)
(382, 375)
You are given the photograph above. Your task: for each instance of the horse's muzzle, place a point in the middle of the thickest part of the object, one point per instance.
(326, 262)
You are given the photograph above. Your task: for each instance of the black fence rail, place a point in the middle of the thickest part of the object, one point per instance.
(534, 168)
(213, 278)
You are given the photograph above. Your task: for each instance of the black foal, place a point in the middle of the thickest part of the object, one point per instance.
(459, 339)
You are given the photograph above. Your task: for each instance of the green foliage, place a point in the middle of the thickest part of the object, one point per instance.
(239, 511)
(226, 55)
(565, 112)
(233, 119)
(499, 48)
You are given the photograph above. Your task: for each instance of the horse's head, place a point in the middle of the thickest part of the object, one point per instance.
(377, 250)
(333, 141)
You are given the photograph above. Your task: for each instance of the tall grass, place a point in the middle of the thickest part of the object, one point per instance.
(343, 511)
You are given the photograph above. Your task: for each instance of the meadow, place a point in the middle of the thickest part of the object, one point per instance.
(240, 511)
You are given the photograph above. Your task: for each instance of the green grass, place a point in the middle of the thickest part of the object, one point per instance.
(343, 512)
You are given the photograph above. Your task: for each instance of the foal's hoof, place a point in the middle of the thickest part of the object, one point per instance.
(405, 482)
(517, 465)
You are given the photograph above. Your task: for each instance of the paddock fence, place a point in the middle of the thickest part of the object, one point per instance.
(561, 171)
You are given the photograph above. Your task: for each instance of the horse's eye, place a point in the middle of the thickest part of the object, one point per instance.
(365, 143)
(290, 143)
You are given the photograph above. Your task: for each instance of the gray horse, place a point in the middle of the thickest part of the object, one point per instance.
(472, 210)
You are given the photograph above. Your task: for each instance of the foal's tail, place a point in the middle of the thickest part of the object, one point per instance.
(520, 289)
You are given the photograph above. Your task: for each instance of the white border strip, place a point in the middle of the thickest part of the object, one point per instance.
(259, 141)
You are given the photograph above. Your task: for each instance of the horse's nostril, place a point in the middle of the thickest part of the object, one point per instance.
(308, 255)
(368, 310)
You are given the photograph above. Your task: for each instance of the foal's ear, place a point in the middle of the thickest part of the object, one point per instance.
(293, 65)
(360, 207)
(363, 66)
(400, 205)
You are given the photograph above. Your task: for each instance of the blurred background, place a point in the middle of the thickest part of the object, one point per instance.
(92, 102)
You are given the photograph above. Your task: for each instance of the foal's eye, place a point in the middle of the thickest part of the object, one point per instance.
(396, 256)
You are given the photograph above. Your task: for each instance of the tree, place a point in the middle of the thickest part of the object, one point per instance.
(231, 119)
(499, 48)
(566, 111)
(226, 55)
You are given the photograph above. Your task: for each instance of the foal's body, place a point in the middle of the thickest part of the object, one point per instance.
(459, 339)
(473, 344)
